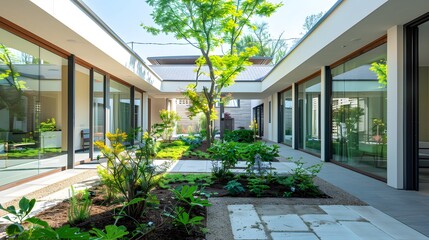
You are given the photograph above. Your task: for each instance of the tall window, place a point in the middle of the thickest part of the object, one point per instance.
(98, 109)
(359, 103)
(81, 134)
(309, 115)
(120, 107)
(33, 109)
(287, 116)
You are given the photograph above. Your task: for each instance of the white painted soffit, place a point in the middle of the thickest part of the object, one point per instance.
(349, 26)
(64, 24)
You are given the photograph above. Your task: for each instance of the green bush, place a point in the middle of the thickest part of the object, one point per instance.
(234, 187)
(227, 154)
(241, 135)
(266, 152)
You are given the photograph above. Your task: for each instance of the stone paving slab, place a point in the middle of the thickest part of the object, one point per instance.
(330, 222)
(340, 212)
(293, 236)
(326, 227)
(245, 222)
(389, 225)
(366, 230)
(285, 223)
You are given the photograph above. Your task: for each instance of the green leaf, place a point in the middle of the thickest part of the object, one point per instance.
(24, 204)
(67, 232)
(14, 229)
(37, 221)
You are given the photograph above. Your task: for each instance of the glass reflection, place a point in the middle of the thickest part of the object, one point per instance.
(359, 103)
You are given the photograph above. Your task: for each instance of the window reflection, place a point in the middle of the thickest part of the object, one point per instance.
(359, 103)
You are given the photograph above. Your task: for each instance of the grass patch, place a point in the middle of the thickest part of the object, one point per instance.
(203, 179)
(171, 152)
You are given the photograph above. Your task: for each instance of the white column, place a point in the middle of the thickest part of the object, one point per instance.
(274, 117)
(323, 114)
(395, 103)
(294, 112)
(145, 114)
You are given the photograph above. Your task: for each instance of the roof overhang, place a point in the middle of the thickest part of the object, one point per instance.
(349, 26)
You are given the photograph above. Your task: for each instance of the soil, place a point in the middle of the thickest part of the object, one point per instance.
(102, 214)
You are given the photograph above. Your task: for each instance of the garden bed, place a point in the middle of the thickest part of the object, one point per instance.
(103, 213)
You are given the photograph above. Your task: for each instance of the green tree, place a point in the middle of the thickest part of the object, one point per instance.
(267, 46)
(208, 25)
(380, 69)
(11, 89)
(169, 120)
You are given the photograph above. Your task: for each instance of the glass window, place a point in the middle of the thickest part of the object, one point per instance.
(82, 103)
(98, 111)
(138, 111)
(287, 116)
(309, 115)
(120, 107)
(359, 103)
(32, 109)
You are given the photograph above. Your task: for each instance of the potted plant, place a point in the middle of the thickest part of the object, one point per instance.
(50, 136)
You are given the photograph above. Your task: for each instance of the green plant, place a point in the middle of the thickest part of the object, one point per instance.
(109, 232)
(188, 198)
(257, 186)
(36, 228)
(171, 152)
(191, 140)
(80, 206)
(227, 154)
(182, 218)
(302, 179)
(169, 120)
(49, 125)
(241, 135)
(266, 153)
(132, 169)
(254, 127)
(234, 187)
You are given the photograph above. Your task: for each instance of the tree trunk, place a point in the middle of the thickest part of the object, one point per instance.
(11, 120)
(208, 129)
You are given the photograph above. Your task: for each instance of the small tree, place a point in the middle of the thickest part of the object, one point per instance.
(169, 120)
(208, 25)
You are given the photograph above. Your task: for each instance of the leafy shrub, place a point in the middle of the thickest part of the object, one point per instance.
(241, 135)
(134, 174)
(234, 187)
(267, 153)
(302, 179)
(182, 214)
(49, 125)
(227, 154)
(80, 206)
(257, 186)
(191, 140)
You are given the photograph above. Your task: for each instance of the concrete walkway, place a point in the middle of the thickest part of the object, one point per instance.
(313, 222)
(408, 207)
(392, 214)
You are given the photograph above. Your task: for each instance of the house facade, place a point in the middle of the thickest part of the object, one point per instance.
(353, 91)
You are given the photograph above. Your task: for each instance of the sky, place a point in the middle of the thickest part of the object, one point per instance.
(124, 18)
